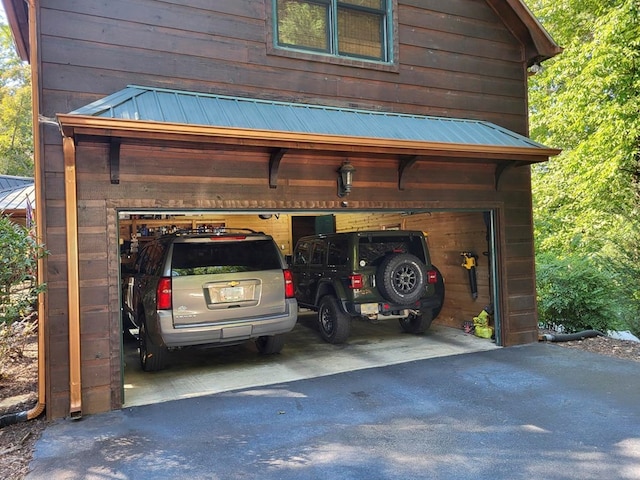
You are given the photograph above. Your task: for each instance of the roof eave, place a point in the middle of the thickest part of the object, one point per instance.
(137, 130)
(18, 19)
(545, 45)
(539, 45)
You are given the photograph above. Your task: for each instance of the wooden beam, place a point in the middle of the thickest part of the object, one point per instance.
(274, 165)
(406, 161)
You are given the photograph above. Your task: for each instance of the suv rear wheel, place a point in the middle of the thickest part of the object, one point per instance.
(152, 357)
(402, 278)
(270, 344)
(334, 324)
(416, 323)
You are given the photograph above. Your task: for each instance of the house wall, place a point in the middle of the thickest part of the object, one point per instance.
(455, 59)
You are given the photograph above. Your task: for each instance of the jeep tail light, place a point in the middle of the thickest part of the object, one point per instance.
(355, 282)
(432, 276)
(163, 294)
(289, 291)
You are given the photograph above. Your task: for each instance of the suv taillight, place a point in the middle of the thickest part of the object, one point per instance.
(163, 294)
(289, 291)
(432, 276)
(355, 281)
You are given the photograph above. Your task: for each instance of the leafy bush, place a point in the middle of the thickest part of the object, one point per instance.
(577, 293)
(19, 254)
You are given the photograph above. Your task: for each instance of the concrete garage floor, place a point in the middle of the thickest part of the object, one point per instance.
(193, 372)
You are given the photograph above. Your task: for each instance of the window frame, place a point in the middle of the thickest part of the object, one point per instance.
(390, 40)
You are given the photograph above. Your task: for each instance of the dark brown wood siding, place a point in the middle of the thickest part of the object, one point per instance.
(455, 59)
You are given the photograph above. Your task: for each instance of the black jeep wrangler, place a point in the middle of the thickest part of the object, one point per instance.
(378, 275)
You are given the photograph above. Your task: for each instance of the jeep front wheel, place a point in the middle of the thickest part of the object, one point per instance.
(334, 324)
(416, 323)
(402, 278)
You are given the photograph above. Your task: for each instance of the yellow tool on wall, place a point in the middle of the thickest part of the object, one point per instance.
(470, 262)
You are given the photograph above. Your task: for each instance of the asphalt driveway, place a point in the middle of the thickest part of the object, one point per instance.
(538, 411)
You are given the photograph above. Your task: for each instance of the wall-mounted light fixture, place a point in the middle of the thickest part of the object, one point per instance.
(345, 178)
(535, 68)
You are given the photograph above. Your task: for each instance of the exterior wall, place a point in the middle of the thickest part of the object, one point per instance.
(456, 59)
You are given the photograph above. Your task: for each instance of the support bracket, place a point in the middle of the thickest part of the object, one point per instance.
(274, 165)
(406, 162)
(114, 160)
(503, 167)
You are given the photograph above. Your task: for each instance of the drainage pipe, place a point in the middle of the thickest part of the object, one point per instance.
(568, 337)
(38, 409)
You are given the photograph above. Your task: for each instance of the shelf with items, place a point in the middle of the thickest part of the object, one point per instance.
(134, 231)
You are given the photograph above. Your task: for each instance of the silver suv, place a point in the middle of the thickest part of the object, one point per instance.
(223, 288)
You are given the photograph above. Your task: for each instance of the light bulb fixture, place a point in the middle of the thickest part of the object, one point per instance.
(535, 68)
(345, 179)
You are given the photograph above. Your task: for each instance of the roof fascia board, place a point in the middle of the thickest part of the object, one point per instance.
(543, 44)
(80, 125)
(18, 19)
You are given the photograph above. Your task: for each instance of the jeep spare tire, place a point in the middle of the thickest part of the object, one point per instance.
(401, 278)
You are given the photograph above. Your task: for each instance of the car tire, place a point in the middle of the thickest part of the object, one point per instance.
(152, 357)
(401, 278)
(439, 293)
(270, 344)
(416, 323)
(335, 325)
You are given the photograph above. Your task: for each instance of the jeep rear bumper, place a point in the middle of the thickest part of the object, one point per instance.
(390, 310)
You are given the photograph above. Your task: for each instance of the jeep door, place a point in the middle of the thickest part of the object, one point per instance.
(308, 266)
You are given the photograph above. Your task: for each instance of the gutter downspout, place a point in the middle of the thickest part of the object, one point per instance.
(73, 285)
(34, 52)
(39, 408)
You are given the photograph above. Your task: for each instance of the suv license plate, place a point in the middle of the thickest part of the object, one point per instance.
(231, 294)
(369, 308)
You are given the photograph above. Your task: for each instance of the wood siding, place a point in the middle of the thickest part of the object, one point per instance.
(455, 59)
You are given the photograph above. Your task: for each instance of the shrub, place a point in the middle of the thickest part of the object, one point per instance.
(19, 254)
(577, 293)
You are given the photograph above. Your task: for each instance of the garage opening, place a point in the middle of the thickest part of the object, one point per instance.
(462, 245)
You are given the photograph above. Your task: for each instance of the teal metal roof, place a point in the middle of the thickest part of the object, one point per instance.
(193, 108)
(16, 192)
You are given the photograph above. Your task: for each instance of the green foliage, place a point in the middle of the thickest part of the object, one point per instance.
(19, 254)
(16, 136)
(576, 292)
(587, 102)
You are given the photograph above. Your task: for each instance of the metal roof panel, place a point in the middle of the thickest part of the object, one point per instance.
(194, 108)
(15, 192)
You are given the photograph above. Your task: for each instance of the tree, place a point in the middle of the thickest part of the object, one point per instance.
(16, 136)
(587, 102)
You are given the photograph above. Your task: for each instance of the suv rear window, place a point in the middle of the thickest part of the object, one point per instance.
(375, 248)
(219, 257)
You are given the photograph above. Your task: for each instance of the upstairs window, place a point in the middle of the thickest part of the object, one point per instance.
(343, 28)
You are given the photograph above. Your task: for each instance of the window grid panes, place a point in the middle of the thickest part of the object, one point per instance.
(349, 28)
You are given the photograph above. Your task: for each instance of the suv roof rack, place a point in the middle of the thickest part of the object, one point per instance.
(213, 231)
